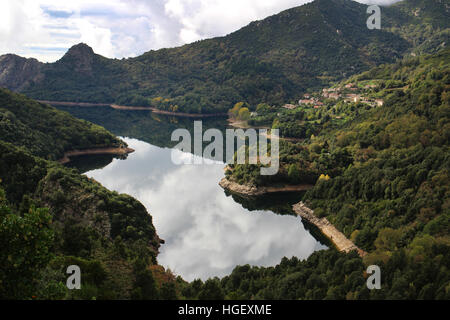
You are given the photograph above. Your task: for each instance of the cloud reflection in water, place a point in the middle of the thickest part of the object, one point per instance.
(207, 233)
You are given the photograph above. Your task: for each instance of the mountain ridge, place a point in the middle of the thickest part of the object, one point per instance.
(273, 60)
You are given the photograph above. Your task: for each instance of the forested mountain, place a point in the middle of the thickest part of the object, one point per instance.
(52, 217)
(379, 161)
(381, 177)
(274, 60)
(45, 131)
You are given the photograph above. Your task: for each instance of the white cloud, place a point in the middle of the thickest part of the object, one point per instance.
(207, 233)
(98, 37)
(45, 29)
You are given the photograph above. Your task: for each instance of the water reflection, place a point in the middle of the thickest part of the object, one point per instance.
(91, 162)
(207, 233)
(143, 125)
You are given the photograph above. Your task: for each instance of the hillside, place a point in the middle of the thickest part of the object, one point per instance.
(371, 133)
(381, 177)
(52, 217)
(274, 60)
(45, 131)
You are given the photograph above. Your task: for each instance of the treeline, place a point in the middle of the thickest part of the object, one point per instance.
(330, 275)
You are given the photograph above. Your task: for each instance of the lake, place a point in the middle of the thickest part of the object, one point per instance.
(207, 232)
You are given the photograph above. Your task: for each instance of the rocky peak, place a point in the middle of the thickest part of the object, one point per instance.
(16, 72)
(80, 49)
(80, 57)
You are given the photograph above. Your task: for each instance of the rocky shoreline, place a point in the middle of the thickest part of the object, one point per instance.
(132, 108)
(252, 191)
(338, 238)
(97, 151)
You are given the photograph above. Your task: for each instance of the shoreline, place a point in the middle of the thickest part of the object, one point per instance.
(132, 108)
(340, 241)
(95, 151)
(252, 191)
(281, 138)
(240, 124)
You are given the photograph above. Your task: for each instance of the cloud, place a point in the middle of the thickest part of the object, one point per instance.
(206, 233)
(45, 29)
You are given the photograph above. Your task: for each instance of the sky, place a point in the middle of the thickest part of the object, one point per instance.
(46, 29)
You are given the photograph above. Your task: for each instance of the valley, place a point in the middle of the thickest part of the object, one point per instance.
(91, 176)
(206, 233)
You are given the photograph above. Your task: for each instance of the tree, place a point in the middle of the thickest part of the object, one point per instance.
(234, 112)
(145, 286)
(244, 114)
(168, 291)
(294, 174)
(26, 242)
(388, 239)
(211, 291)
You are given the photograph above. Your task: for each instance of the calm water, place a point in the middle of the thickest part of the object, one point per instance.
(207, 233)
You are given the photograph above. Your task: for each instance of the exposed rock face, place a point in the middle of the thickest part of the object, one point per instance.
(253, 191)
(80, 57)
(108, 150)
(338, 238)
(239, 188)
(17, 73)
(73, 201)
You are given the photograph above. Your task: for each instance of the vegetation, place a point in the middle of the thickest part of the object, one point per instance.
(52, 217)
(240, 111)
(380, 175)
(332, 275)
(383, 181)
(274, 60)
(45, 131)
(380, 172)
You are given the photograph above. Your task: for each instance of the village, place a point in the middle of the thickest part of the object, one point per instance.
(349, 93)
(304, 118)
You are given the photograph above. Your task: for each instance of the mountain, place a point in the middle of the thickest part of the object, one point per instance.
(17, 72)
(51, 216)
(273, 60)
(45, 131)
(380, 175)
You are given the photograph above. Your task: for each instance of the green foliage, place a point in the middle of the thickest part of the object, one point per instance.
(293, 174)
(27, 245)
(83, 223)
(274, 60)
(234, 112)
(324, 275)
(45, 131)
(244, 114)
(404, 179)
(388, 190)
(92, 226)
(145, 286)
(418, 272)
(211, 290)
(388, 167)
